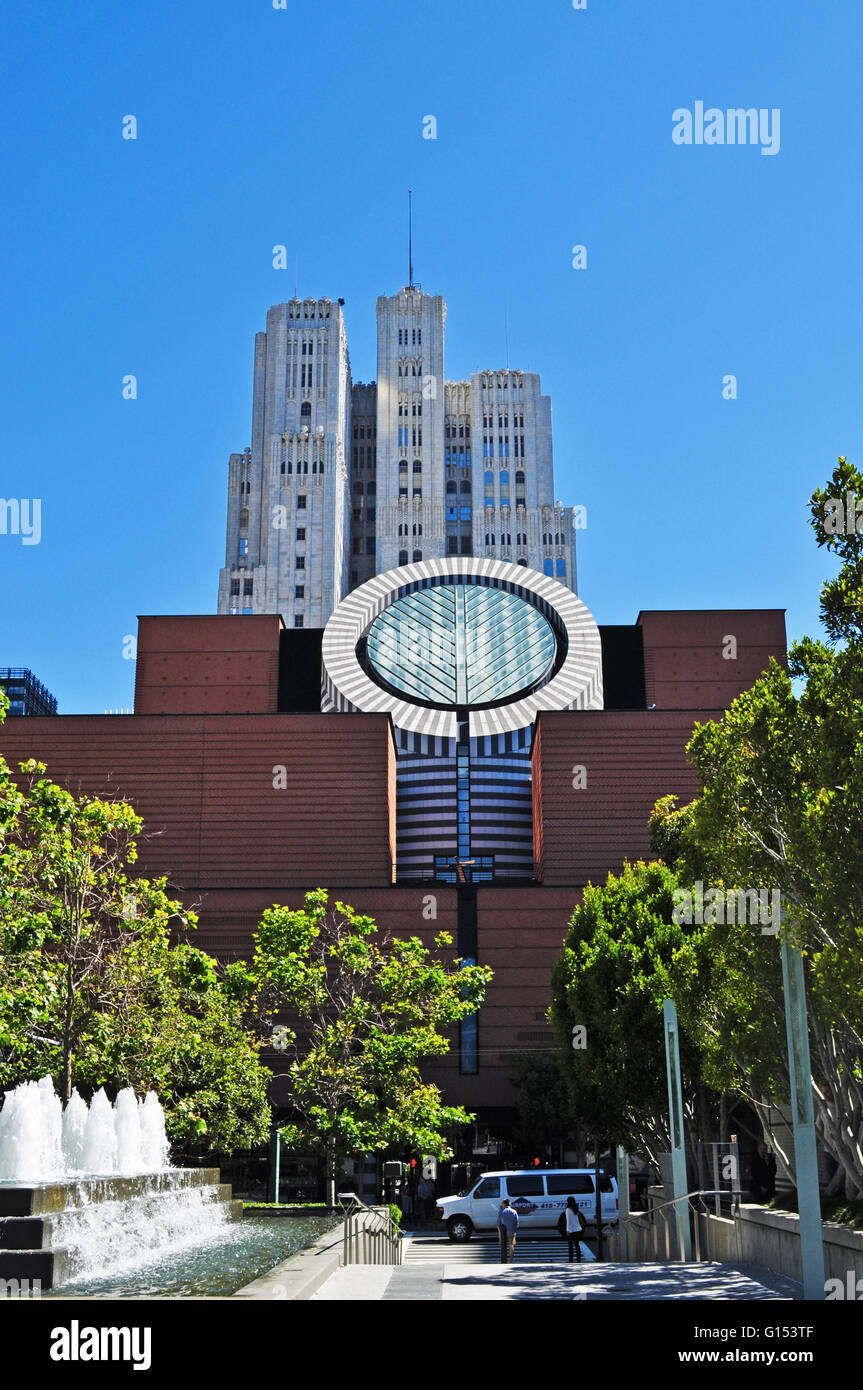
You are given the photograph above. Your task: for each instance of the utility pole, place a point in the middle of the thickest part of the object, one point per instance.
(596, 1180)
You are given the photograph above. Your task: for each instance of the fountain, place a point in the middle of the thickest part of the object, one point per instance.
(89, 1188)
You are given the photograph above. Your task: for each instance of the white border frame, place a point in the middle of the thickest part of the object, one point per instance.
(346, 687)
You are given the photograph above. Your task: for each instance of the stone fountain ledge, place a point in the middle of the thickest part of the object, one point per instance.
(29, 1211)
(299, 1277)
(66, 1194)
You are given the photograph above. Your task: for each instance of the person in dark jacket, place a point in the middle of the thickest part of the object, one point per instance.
(763, 1174)
(507, 1225)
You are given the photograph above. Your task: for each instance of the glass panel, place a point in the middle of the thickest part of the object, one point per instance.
(461, 643)
(568, 1184)
(525, 1187)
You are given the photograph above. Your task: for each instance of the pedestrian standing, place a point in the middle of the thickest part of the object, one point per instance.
(424, 1194)
(507, 1225)
(763, 1172)
(575, 1227)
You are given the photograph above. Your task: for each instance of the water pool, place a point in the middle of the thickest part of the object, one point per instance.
(241, 1252)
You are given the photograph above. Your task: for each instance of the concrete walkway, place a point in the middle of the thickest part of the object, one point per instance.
(473, 1272)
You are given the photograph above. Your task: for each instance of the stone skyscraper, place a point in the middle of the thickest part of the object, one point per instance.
(343, 482)
(288, 493)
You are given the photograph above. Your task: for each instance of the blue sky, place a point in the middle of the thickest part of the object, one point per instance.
(304, 127)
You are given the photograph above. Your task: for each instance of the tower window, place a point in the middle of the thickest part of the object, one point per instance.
(403, 557)
(417, 556)
(306, 408)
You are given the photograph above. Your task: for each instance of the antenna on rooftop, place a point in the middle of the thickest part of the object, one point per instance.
(410, 240)
(506, 334)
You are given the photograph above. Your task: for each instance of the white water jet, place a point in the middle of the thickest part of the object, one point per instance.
(40, 1142)
(154, 1140)
(52, 1126)
(128, 1132)
(100, 1136)
(21, 1132)
(74, 1120)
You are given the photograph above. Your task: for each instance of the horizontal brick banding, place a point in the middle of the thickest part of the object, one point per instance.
(204, 786)
(208, 665)
(684, 664)
(631, 758)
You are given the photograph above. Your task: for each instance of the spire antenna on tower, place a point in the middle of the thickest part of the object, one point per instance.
(410, 240)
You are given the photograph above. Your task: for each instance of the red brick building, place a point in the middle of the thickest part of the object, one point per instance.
(251, 796)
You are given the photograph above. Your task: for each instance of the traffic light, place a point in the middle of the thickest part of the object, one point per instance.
(536, 1163)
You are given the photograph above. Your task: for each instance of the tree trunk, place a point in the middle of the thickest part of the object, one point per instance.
(68, 1008)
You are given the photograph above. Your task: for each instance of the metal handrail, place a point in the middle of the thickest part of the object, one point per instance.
(673, 1202)
(369, 1236)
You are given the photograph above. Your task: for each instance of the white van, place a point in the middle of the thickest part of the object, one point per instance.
(538, 1195)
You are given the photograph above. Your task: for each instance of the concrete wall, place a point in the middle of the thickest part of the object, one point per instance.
(768, 1239)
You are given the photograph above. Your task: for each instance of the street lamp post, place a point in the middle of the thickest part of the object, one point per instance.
(803, 1113)
(623, 1201)
(675, 1111)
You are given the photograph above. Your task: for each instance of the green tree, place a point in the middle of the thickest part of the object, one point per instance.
(543, 1103)
(99, 984)
(781, 808)
(610, 979)
(364, 1012)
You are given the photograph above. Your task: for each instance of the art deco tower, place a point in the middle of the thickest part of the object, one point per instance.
(287, 533)
(343, 482)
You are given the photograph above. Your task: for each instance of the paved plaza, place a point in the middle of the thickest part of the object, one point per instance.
(436, 1269)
